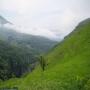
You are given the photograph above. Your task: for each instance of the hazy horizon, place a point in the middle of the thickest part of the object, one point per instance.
(50, 18)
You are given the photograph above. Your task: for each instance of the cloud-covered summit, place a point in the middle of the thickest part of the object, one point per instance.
(50, 18)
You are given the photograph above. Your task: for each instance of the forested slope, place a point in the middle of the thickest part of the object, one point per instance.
(68, 65)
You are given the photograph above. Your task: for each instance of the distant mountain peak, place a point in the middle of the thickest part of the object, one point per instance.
(3, 20)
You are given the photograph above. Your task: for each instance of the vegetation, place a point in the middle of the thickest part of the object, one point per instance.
(42, 62)
(18, 52)
(36, 44)
(14, 61)
(68, 65)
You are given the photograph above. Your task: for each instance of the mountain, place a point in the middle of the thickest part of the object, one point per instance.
(19, 52)
(67, 65)
(37, 43)
(3, 21)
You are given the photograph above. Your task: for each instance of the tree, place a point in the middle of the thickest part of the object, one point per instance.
(42, 63)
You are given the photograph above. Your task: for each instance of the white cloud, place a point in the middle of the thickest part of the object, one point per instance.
(50, 18)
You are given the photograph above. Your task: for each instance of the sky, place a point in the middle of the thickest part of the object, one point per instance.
(53, 19)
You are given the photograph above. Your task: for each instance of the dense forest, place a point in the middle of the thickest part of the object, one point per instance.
(14, 61)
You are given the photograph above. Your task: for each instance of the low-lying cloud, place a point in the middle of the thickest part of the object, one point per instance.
(50, 18)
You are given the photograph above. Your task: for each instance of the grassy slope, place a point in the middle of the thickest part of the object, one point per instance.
(68, 66)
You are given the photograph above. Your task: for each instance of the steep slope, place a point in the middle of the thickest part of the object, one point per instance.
(14, 61)
(68, 65)
(3, 21)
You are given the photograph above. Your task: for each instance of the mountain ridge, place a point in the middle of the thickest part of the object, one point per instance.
(68, 65)
(19, 51)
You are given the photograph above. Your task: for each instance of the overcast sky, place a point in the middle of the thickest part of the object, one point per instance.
(50, 18)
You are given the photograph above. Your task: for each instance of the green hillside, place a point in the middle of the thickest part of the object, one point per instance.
(68, 65)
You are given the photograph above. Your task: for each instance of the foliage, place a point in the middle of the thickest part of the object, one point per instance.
(68, 65)
(42, 62)
(14, 60)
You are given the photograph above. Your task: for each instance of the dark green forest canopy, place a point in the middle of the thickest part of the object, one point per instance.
(14, 60)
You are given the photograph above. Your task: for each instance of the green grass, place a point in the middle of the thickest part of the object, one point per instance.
(68, 66)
